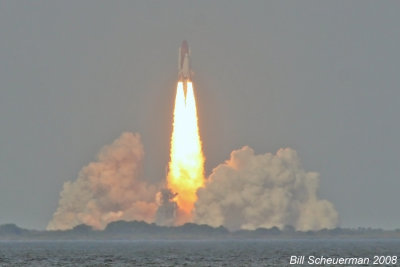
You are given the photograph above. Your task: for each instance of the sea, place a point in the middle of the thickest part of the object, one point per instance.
(198, 252)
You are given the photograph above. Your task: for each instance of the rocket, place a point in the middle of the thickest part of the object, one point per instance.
(184, 71)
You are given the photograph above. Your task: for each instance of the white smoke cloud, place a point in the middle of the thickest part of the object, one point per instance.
(250, 191)
(107, 190)
(246, 192)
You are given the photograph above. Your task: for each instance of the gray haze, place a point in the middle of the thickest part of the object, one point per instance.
(320, 77)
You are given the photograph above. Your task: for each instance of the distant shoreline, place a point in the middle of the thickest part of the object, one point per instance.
(135, 230)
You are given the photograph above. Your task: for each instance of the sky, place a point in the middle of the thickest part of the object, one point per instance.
(321, 77)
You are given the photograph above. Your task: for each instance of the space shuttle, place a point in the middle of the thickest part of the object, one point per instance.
(184, 69)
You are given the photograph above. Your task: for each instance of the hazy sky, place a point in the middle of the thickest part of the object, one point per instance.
(320, 77)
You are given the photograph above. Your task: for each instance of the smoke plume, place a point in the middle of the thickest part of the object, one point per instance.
(250, 191)
(167, 208)
(107, 190)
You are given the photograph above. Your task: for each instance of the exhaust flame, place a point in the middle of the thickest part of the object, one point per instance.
(186, 166)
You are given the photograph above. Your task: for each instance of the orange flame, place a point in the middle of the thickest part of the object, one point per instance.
(186, 166)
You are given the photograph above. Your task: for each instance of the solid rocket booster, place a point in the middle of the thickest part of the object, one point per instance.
(184, 71)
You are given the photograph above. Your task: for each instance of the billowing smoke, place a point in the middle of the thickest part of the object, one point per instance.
(109, 189)
(246, 192)
(250, 191)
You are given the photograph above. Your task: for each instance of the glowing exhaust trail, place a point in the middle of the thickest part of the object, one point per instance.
(186, 166)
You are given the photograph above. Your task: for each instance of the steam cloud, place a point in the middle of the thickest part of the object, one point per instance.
(108, 190)
(250, 191)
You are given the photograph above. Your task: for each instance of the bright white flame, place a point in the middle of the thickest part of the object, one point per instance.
(186, 168)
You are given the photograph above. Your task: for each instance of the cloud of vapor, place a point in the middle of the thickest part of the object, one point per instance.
(107, 190)
(249, 191)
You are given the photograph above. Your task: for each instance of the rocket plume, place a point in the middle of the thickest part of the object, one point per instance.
(247, 191)
(186, 166)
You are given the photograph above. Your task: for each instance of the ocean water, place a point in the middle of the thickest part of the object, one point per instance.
(187, 253)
